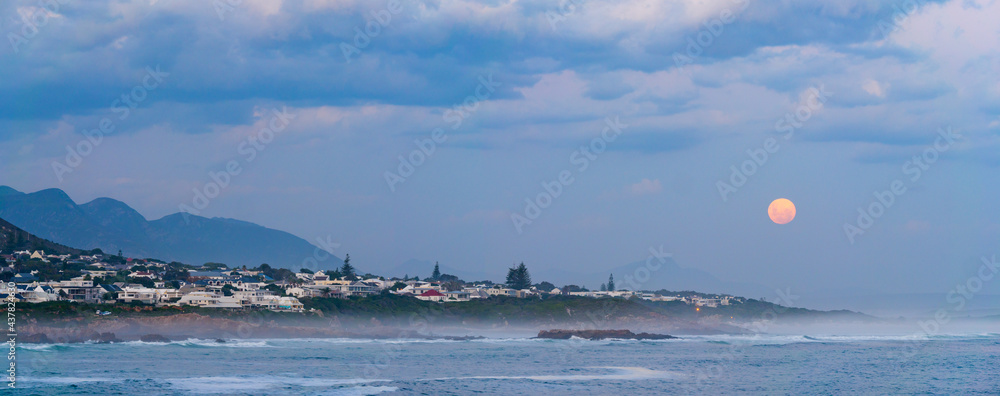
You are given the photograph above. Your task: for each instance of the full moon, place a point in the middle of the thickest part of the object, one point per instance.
(781, 211)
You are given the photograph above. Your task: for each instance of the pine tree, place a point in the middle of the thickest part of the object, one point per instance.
(518, 277)
(511, 277)
(524, 276)
(604, 287)
(347, 271)
(437, 272)
(611, 282)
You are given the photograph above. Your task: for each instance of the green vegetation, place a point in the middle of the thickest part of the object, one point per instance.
(76, 312)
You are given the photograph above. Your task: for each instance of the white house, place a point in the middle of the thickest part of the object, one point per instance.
(457, 296)
(209, 300)
(501, 291)
(141, 294)
(36, 293)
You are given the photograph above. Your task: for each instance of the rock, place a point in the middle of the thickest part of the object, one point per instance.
(153, 338)
(600, 335)
(462, 338)
(104, 338)
(40, 338)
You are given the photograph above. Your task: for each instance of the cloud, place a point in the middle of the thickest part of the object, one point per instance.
(874, 88)
(646, 186)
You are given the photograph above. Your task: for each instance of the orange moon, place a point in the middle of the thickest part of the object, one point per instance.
(781, 211)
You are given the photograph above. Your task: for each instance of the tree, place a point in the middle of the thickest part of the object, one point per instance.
(604, 287)
(611, 282)
(437, 272)
(305, 271)
(573, 288)
(518, 277)
(276, 290)
(227, 290)
(146, 282)
(397, 286)
(347, 271)
(545, 286)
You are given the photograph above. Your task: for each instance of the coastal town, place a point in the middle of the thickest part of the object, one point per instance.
(99, 278)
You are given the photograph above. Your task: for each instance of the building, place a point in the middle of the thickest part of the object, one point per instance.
(209, 300)
(133, 293)
(501, 291)
(24, 278)
(454, 296)
(36, 293)
(79, 290)
(145, 274)
(355, 289)
(432, 295)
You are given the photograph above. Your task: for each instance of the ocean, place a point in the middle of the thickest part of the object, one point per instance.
(762, 364)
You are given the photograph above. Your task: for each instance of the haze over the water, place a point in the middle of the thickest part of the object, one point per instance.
(621, 134)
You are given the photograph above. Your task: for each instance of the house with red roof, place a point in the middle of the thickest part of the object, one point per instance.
(432, 295)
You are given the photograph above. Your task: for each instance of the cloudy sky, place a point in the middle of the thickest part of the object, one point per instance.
(841, 96)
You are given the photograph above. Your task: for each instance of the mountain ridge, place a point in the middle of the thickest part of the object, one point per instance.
(113, 225)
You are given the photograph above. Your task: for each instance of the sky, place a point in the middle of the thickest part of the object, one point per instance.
(570, 135)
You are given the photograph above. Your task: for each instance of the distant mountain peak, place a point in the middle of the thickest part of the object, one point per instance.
(111, 206)
(5, 190)
(52, 195)
(112, 225)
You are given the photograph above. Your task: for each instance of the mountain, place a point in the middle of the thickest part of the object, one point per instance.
(112, 225)
(15, 239)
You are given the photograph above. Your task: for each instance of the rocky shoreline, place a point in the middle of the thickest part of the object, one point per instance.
(594, 335)
(165, 329)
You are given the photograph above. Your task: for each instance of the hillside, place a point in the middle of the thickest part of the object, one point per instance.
(16, 239)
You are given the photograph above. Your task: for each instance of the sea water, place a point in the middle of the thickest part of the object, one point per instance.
(763, 364)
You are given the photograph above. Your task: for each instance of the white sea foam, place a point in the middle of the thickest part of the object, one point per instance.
(226, 344)
(250, 384)
(37, 347)
(782, 339)
(363, 390)
(64, 380)
(616, 373)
